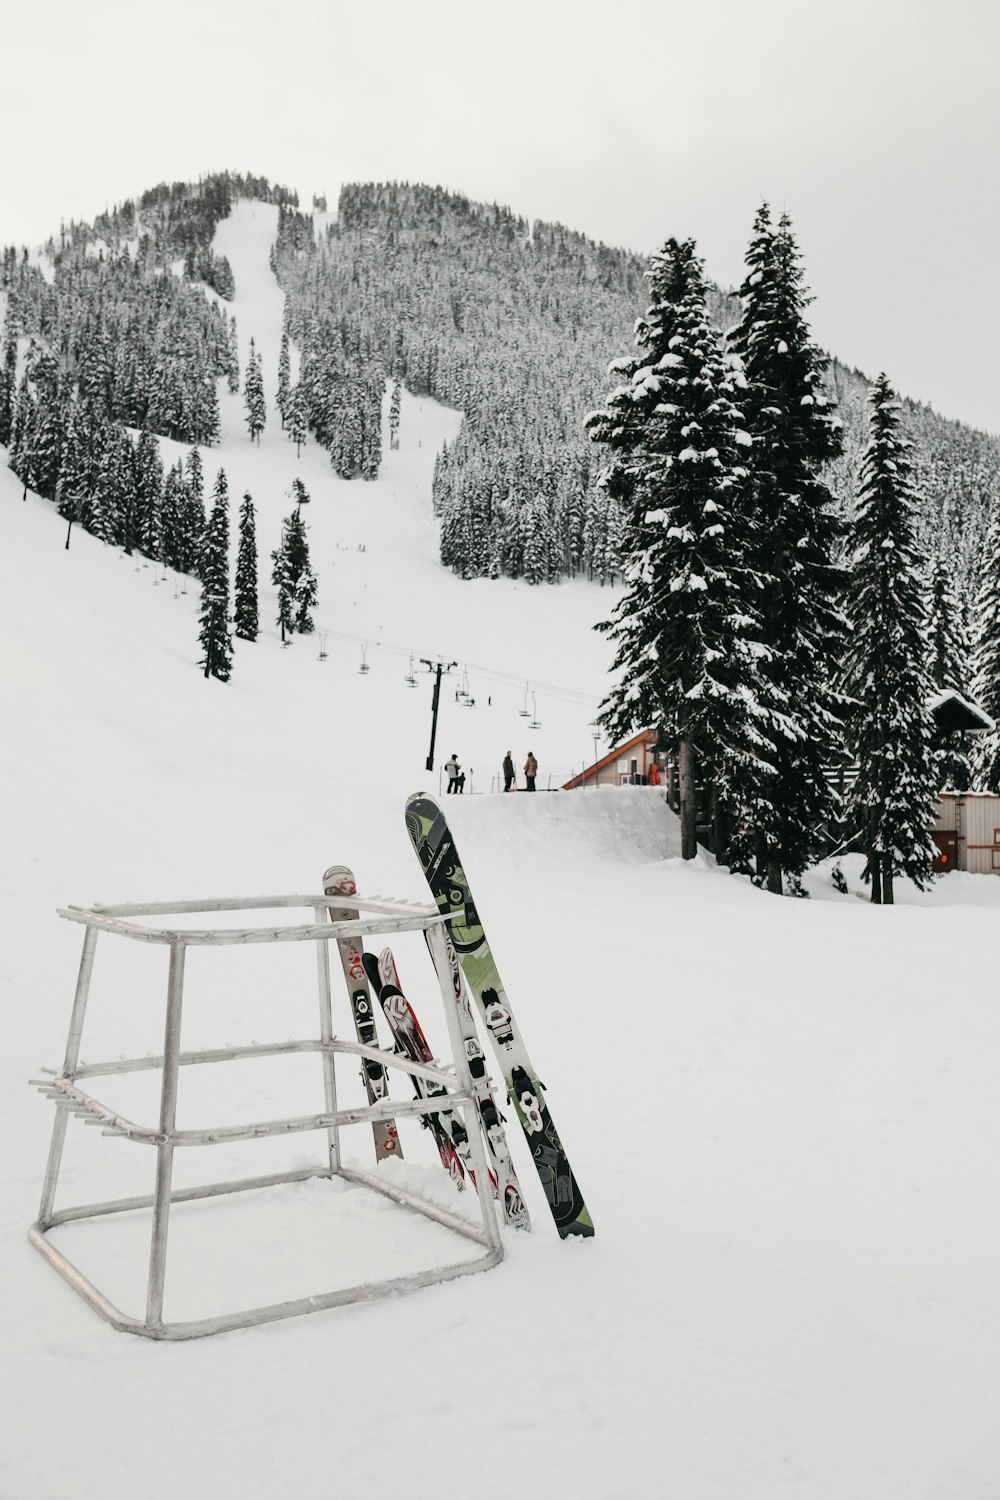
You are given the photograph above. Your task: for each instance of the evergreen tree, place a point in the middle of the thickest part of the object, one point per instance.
(394, 410)
(293, 577)
(8, 387)
(986, 659)
(253, 395)
(20, 455)
(284, 377)
(948, 668)
(893, 798)
(787, 795)
(295, 417)
(216, 643)
(148, 494)
(246, 615)
(233, 358)
(685, 628)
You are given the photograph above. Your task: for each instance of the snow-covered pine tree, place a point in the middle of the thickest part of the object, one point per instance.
(293, 577)
(246, 613)
(172, 518)
(795, 434)
(893, 799)
(253, 395)
(20, 454)
(394, 409)
(986, 659)
(948, 668)
(685, 629)
(284, 378)
(216, 643)
(232, 357)
(8, 386)
(295, 417)
(148, 494)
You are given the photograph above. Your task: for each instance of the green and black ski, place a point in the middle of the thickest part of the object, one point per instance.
(432, 839)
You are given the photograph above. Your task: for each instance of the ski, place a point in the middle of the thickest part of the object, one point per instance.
(447, 1129)
(503, 1178)
(435, 848)
(339, 881)
(502, 1174)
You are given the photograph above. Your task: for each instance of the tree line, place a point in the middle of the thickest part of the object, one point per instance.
(769, 638)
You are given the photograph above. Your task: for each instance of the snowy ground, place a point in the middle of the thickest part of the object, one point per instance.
(783, 1114)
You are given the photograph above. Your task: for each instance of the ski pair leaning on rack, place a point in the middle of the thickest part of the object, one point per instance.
(434, 844)
(363, 969)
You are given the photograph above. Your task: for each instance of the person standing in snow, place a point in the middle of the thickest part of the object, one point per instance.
(451, 769)
(508, 772)
(653, 774)
(530, 772)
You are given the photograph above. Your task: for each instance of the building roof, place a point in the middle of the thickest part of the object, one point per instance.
(951, 711)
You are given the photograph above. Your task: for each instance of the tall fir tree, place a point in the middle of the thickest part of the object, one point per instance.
(216, 642)
(246, 613)
(8, 386)
(148, 494)
(253, 395)
(986, 659)
(892, 801)
(394, 409)
(795, 434)
(284, 378)
(293, 577)
(295, 417)
(948, 669)
(686, 627)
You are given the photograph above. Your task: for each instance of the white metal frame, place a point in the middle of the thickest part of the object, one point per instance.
(383, 917)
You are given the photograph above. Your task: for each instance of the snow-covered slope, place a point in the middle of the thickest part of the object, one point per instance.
(782, 1114)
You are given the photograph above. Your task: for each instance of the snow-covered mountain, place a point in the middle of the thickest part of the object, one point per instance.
(782, 1113)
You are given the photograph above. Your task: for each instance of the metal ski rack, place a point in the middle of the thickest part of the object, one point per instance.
(376, 917)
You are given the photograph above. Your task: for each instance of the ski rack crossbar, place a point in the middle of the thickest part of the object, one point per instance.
(377, 916)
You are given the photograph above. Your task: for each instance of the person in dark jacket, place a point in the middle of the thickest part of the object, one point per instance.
(508, 772)
(530, 772)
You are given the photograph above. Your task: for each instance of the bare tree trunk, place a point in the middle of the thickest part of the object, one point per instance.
(887, 878)
(875, 870)
(672, 784)
(689, 842)
(774, 875)
(720, 827)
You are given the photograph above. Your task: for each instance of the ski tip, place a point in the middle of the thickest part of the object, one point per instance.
(335, 876)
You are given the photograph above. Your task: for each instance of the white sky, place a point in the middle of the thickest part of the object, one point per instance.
(875, 124)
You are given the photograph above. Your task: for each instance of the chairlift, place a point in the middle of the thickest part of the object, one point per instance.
(364, 667)
(525, 711)
(535, 721)
(410, 679)
(322, 646)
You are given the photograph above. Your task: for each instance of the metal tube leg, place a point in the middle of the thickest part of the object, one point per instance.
(326, 1035)
(439, 953)
(165, 1152)
(72, 1057)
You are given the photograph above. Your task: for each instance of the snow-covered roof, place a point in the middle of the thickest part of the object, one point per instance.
(951, 711)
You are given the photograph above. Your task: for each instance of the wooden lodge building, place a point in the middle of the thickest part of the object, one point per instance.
(966, 829)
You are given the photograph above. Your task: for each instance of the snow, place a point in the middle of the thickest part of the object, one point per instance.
(783, 1114)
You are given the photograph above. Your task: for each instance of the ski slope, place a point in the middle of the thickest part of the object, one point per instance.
(782, 1114)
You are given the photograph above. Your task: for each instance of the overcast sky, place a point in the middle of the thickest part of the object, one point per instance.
(875, 123)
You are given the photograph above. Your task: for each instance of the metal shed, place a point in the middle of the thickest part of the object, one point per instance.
(967, 833)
